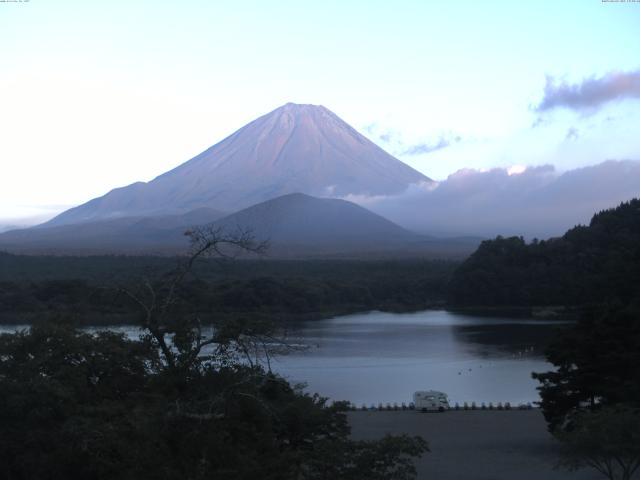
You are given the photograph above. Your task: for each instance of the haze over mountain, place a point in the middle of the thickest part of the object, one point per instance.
(295, 148)
(537, 202)
(295, 225)
(151, 235)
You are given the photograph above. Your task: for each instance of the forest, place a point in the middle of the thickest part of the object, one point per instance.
(588, 265)
(90, 288)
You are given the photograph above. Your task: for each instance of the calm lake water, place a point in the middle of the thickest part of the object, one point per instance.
(377, 357)
(384, 357)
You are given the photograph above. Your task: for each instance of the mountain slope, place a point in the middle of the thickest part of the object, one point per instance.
(160, 234)
(295, 148)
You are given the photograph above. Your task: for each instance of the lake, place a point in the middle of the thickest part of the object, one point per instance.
(378, 357)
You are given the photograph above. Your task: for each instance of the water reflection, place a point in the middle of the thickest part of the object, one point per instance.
(384, 357)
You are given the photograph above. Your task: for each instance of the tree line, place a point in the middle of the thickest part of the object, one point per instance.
(589, 264)
(273, 289)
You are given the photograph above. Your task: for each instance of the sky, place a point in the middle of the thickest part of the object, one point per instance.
(97, 95)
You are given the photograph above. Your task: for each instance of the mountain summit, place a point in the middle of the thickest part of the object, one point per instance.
(295, 148)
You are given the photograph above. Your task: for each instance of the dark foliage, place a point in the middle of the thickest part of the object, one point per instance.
(31, 287)
(175, 404)
(607, 440)
(596, 365)
(76, 405)
(587, 265)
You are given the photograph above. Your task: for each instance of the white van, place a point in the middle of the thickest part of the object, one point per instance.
(430, 401)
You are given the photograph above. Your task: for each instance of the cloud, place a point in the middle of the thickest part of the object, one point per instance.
(516, 169)
(591, 93)
(427, 147)
(12, 223)
(363, 199)
(399, 146)
(371, 128)
(385, 135)
(538, 121)
(17, 214)
(413, 190)
(572, 134)
(532, 201)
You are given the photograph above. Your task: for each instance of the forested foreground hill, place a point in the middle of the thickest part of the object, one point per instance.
(588, 264)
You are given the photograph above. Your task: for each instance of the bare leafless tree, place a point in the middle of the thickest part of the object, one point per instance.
(156, 300)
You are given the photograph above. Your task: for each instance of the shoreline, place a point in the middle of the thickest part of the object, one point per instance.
(540, 312)
(113, 319)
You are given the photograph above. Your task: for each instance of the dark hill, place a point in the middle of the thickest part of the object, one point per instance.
(301, 220)
(301, 225)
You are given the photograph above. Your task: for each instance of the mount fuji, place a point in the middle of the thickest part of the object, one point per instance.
(293, 149)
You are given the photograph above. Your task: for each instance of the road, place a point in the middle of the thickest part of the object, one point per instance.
(474, 445)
